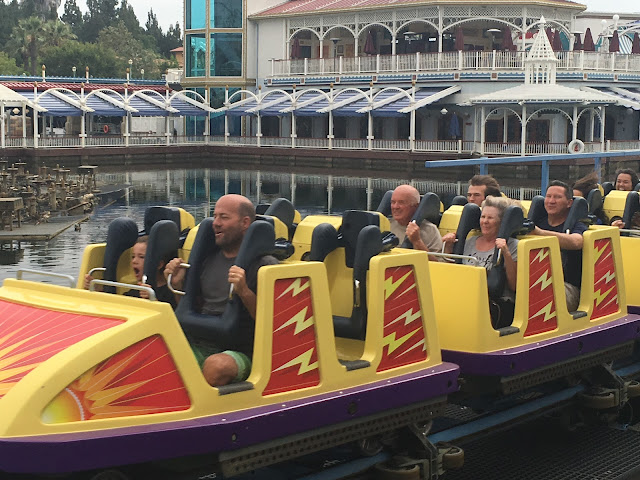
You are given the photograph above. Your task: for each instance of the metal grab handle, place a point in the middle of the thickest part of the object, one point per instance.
(634, 233)
(97, 269)
(69, 278)
(149, 290)
(173, 290)
(474, 261)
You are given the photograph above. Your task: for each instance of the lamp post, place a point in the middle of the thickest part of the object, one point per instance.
(335, 41)
(129, 70)
(73, 69)
(142, 73)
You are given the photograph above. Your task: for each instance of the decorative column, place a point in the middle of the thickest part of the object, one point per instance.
(2, 132)
(574, 132)
(35, 115)
(207, 119)
(523, 131)
(602, 125)
(482, 133)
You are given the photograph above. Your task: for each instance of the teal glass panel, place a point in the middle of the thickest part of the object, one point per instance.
(196, 56)
(226, 55)
(225, 14)
(195, 14)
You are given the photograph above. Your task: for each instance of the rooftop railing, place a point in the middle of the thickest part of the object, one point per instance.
(451, 61)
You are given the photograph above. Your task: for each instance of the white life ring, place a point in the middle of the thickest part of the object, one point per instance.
(576, 146)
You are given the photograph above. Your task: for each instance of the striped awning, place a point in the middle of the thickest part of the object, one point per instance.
(187, 106)
(57, 103)
(626, 97)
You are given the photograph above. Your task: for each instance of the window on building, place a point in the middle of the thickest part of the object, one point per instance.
(196, 55)
(195, 14)
(225, 14)
(226, 55)
(216, 100)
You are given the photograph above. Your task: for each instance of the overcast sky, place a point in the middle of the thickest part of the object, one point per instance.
(170, 11)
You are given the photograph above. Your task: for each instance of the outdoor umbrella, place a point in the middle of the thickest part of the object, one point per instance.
(295, 49)
(614, 43)
(507, 39)
(549, 34)
(454, 127)
(459, 39)
(588, 45)
(369, 46)
(577, 43)
(635, 46)
(556, 45)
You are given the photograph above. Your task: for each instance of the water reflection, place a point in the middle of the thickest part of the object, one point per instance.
(197, 191)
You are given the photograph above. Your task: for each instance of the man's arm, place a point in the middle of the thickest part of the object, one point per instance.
(426, 238)
(567, 241)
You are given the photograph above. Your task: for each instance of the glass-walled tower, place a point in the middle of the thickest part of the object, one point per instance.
(215, 56)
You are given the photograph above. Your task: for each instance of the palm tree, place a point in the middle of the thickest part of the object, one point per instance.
(25, 41)
(55, 33)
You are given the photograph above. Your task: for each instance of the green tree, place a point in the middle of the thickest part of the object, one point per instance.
(72, 16)
(172, 39)
(8, 65)
(122, 41)
(127, 16)
(55, 33)
(100, 15)
(9, 16)
(102, 62)
(26, 38)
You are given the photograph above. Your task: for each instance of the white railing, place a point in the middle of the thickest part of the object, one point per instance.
(388, 144)
(350, 143)
(312, 142)
(623, 145)
(437, 146)
(459, 61)
(403, 144)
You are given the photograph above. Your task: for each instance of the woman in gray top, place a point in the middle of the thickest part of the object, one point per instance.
(482, 247)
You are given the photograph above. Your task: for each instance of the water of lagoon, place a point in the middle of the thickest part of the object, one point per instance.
(196, 191)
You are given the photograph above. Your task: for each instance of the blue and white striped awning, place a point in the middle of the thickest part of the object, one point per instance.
(350, 102)
(104, 104)
(189, 107)
(626, 97)
(57, 103)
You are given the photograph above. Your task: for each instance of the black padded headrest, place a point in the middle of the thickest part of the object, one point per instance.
(578, 212)
(537, 210)
(154, 214)
(637, 187)
(164, 241)
(594, 200)
(512, 222)
(428, 209)
(384, 207)
(607, 187)
(261, 208)
(324, 240)
(459, 200)
(283, 209)
(122, 234)
(631, 206)
(353, 221)
(469, 220)
(259, 240)
(369, 244)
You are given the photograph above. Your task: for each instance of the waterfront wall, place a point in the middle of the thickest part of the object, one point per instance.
(360, 163)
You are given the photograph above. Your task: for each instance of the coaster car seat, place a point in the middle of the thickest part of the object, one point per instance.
(469, 220)
(362, 239)
(283, 210)
(122, 234)
(180, 217)
(606, 188)
(631, 206)
(163, 244)
(428, 209)
(384, 207)
(224, 330)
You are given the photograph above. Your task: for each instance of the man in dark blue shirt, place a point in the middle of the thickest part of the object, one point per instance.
(557, 203)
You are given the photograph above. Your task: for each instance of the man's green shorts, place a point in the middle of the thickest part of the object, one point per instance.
(202, 350)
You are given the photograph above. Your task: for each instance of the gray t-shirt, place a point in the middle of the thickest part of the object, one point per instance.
(484, 259)
(214, 283)
(429, 234)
